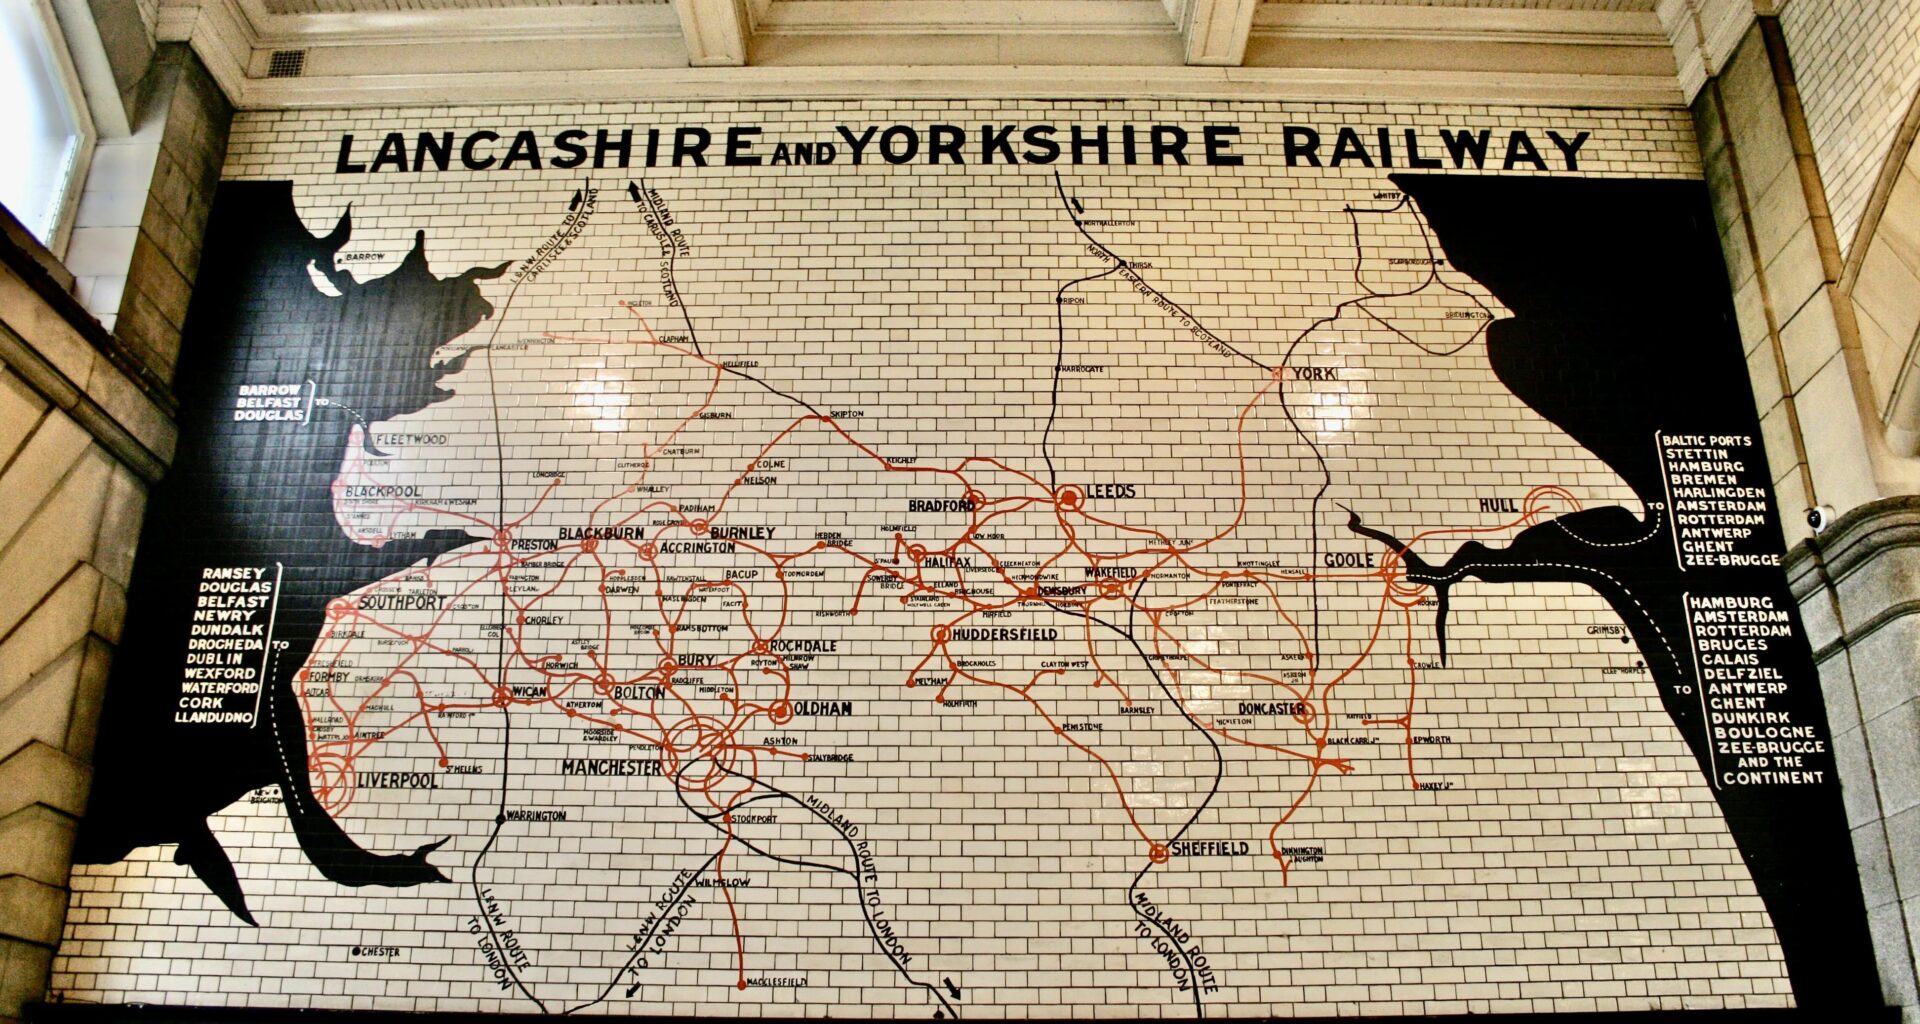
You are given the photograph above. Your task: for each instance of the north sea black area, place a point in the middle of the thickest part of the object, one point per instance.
(1622, 328)
(252, 494)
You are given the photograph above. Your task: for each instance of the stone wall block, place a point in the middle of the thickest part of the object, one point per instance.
(20, 410)
(89, 693)
(1817, 617)
(1895, 953)
(166, 257)
(153, 271)
(1883, 663)
(1855, 765)
(1875, 861)
(1739, 255)
(1796, 278)
(1894, 738)
(1903, 844)
(1753, 113)
(1750, 315)
(1895, 578)
(1765, 375)
(1718, 168)
(31, 910)
(123, 512)
(40, 774)
(59, 535)
(37, 842)
(41, 709)
(42, 463)
(45, 329)
(1888, 288)
(23, 973)
(144, 328)
(119, 397)
(1776, 437)
(1779, 211)
(1809, 339)
(1910, 1009)
(66, 615)
(1835, 441)
(110, 611)
(1901, 235)
(1886, 356)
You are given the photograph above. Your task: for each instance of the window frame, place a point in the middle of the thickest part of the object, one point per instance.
(67, 77)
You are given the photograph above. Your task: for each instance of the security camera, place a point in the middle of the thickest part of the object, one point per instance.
(1820, 517)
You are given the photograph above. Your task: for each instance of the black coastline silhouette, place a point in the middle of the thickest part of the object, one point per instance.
(256, 493)
(1622, 329)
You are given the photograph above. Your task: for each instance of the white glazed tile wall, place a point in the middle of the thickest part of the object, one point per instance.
(1570, 857)
(1858, 67)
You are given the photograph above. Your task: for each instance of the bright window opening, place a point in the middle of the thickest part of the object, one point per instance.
(40, 119)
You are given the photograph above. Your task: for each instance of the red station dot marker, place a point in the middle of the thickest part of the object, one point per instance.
(502, 538)
(941, 634)
(1069, 498)
(1157, 853)
(649, 552)
(699, 527)
(590, 545)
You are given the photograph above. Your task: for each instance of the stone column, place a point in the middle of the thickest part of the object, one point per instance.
(1858, 585)
(86, 425)
(1858, 582)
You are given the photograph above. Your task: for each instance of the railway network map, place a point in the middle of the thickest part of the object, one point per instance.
(1118, 560)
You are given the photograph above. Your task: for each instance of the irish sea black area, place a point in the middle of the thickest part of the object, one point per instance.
(246, 492)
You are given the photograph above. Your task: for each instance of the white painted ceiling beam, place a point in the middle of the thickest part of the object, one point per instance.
(1703, 34)
(716, 32)
(925, 48)
(863, 18)
(961, 82)
(1214, 32)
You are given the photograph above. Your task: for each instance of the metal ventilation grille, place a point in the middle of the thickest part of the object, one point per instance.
(286, 63)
